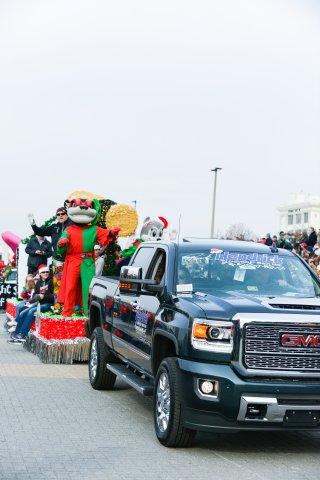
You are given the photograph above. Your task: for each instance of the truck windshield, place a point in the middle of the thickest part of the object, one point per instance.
(244, 272)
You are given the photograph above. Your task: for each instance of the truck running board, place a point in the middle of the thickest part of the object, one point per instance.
(131, 378)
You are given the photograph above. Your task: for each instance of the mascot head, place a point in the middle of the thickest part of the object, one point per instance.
(152, 229)
(83, 211)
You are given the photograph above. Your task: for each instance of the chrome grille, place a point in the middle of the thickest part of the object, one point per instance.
(262, 350)
(273, 362)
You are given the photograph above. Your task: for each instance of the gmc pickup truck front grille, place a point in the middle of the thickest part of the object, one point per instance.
(273, 362)
(265, 350)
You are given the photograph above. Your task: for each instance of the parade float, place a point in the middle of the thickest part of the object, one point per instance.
(8, 272)
(59, 336)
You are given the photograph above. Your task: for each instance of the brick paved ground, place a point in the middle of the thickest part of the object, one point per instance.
(54, 426)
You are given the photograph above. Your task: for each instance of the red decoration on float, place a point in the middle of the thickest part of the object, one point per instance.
(11, 308)
(61, 329)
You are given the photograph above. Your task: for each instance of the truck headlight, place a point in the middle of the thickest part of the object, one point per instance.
(212, 335)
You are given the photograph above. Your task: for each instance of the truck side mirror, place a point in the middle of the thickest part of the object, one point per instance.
(128, 275)
(131, 280)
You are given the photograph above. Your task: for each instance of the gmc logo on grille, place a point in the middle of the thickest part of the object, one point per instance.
(295, 340)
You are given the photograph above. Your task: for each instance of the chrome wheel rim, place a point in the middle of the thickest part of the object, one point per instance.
(93, 359)
(163, 402)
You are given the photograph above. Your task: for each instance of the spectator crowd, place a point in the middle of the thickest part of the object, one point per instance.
(305, 243)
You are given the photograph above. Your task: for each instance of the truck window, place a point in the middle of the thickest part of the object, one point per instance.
(143, 259)
(158, 267)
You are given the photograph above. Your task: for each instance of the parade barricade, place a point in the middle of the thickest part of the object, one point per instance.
(59, 339)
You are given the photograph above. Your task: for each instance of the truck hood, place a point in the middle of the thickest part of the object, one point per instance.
(227, 305)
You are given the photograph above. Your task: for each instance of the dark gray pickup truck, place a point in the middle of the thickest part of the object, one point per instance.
(225, 336)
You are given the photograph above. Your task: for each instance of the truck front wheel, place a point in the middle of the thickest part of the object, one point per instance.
(167, 407)
(100, 377)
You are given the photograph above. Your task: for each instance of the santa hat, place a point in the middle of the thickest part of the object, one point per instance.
(43, 268)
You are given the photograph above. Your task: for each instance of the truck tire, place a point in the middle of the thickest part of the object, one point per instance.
(100, 378)
(167, 407)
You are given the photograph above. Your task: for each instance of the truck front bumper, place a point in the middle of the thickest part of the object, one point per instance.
(246, 404)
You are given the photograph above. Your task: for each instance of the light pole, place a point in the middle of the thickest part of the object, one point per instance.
(215, 170)
(134, 204)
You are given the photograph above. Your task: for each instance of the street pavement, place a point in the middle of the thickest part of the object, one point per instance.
(55, 426)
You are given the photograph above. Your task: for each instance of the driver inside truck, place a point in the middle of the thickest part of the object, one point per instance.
(158, 275)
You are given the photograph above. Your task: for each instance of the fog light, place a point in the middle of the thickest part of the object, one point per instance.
(206, 387)
(209, 387)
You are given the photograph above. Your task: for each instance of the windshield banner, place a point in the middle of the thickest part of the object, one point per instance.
(256, 259)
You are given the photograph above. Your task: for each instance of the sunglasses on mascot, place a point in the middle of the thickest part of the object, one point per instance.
(79, 202)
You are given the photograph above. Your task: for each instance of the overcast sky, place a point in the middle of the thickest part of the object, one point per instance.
(138, 100)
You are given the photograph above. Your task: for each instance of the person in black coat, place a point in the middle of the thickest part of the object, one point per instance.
(39, 250)
(312, 239)
(54, 231)
(268, 240)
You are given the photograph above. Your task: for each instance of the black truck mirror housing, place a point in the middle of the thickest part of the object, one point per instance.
(154, 288)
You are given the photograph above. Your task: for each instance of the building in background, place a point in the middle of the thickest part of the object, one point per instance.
(300, 212)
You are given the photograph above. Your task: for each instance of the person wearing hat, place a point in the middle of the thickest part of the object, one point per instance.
(43, 295)
(98, 260)
(54, 231)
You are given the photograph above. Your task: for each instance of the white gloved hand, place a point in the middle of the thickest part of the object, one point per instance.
(31, 219)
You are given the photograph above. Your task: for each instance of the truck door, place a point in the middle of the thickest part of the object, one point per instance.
(144, 313)
(124, 309)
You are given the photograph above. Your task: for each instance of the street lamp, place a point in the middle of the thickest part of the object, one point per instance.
(215, 170)
(135, 204)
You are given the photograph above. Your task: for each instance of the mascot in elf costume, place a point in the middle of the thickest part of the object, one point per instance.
(77, 244)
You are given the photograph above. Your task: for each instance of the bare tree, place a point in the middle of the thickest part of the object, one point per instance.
(239, 231)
